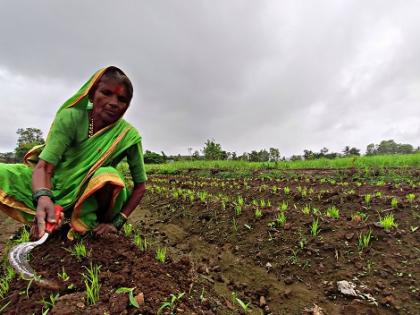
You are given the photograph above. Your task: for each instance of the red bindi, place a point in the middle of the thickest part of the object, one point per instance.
(119, 89)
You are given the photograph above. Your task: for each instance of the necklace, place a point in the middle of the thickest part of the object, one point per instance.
(90, 133)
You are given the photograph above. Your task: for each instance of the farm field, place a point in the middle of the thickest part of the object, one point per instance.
(254, 241)
(285, 238)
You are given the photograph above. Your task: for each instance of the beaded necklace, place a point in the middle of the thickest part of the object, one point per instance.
(90, 132)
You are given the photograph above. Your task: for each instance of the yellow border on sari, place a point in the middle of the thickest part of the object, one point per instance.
(14, 214)
(95, 184)
(95, 78)
(11, 202)
(76, 223)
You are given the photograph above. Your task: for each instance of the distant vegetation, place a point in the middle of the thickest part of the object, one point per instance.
(375, 155)
(360, 162)
(213, 151)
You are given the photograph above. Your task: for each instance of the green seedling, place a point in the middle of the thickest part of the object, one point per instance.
(5, 281)
(50, 302)
(315, 227)
(394, 202)
(240, 201)
(202, 195)
(24, 236)
(244, 306)
(280, 219)
(413, 228)
(364, 240)
(283, 206)
(368, 199)
(388, 222)
(235, 225)
(258, 213)
(140, 242)
(92, 285)
(4, 287)
(170, 303)
(78, 250)
(410, 197)
(333, 212)
(202, 297)
(306, 210)
(63, 275)
(161, 254)
(238, 210)
(128, 229)
(286, 190)
(132, 300)
(359, 216)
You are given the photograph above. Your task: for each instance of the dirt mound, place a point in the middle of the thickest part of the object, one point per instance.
(122, 265)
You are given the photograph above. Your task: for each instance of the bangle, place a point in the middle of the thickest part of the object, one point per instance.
(39, 193)
(119, 220)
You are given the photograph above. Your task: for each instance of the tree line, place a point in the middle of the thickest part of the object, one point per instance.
(29, 137)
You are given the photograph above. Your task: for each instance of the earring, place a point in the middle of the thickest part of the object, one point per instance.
(89, 105)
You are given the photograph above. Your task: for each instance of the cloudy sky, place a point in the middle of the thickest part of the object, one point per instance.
(251, 74)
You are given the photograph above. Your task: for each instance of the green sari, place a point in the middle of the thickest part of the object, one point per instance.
(83, 170)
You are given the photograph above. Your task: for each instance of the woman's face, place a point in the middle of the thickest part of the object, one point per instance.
(110, 101)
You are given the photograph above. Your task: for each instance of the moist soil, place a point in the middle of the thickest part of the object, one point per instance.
(122, 264)
(277, 269)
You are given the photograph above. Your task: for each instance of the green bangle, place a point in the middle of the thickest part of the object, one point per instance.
(39, 193)
(119, 220)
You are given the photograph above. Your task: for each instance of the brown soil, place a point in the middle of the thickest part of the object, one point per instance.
(277, 269)
(122, 264)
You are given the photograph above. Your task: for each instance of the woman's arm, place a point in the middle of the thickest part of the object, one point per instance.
(135, 198)
(41, 179)
(131, 204)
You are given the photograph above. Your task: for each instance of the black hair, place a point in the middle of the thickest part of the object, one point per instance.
(115, 74)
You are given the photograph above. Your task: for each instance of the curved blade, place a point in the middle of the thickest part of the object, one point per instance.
(18, 257)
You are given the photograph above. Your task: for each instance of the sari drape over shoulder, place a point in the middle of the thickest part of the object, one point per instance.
(83, 169)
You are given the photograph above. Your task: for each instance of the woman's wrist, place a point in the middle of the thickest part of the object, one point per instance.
(119, 220)
(41, 192)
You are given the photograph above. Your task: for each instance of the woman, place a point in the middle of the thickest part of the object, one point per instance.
(76, 168)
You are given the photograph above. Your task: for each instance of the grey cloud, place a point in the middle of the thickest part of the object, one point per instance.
(249, 74)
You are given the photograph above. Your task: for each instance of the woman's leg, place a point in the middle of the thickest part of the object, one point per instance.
(103, 197)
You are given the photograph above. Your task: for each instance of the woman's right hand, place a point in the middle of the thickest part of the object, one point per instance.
(44, 211)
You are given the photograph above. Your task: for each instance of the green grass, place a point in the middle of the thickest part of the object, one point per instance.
(376, 161)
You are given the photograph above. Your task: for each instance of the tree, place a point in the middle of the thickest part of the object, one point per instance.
(308, 155)
(296, 158)
(351, 151)
(371, 149)
(28, 138)
(7, 157)
(274, 154)
(213, 151)
(196, 155)
(153, 158)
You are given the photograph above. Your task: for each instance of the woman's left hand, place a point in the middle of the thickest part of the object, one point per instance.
(105, 228)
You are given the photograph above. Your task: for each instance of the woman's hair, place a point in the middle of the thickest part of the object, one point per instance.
(117, 74)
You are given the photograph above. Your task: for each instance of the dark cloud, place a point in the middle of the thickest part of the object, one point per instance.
(287, 74)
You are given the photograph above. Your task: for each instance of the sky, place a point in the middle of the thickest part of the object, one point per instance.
(292, 75)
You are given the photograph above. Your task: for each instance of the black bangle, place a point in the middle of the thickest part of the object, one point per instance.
(39, 193)
(119, 220)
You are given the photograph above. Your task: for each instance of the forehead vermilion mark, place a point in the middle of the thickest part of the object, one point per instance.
(119, 89)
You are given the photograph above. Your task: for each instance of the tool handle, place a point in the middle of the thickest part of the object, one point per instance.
(49, 227)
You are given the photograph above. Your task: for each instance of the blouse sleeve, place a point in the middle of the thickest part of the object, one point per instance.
(136, 163)
(60, 136)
